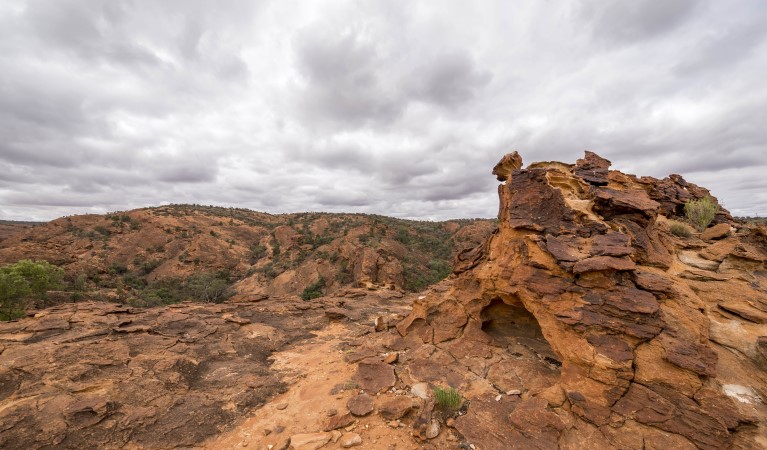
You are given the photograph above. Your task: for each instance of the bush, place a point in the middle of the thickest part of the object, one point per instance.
(23, 281)
(447, 399)
(680, 229)
(701, 212)
(209, 287)
(257, 251)
(314, 290)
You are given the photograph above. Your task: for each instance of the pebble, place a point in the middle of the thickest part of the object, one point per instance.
(420, 390)
(450, 422)
(279, 429)
(332, 412)
(498, 397)
(514, 392)
(433, 430)
(267, 431)
(394, 423)
(281, 406)
(391, 358)
(350, 440)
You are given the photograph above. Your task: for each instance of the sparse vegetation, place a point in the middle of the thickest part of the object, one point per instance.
(149, 267)
(679, 229)
(447, 399)
(701, 212)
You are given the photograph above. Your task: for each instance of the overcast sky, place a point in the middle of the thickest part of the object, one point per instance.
(390, 107)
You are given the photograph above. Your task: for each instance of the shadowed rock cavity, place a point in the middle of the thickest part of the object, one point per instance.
(513, 327)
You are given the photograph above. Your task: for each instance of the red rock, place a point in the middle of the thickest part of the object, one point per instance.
(596, 263)
(396, 408)
(360, 405)
(338, 421)
(508, 164)
(592, 169)
(375, 376)
(719, 231)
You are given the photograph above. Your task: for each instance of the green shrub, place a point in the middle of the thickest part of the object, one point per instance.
(680, 229)
(23, 281)
(701, 212)
(447, 399)
(118, 269)
(257, 251)
(314, 290)
(209, 287)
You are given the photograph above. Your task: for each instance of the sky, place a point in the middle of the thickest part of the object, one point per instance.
(390, 107)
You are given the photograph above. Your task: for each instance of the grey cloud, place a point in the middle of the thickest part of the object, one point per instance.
(449, 80)
(343, 81)
(629, 21)
(725, 48)
(379, 107)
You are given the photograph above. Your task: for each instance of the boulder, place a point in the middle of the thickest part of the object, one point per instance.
(719, 231)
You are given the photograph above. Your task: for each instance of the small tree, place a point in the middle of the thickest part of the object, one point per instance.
(701, 212)
(25, 279)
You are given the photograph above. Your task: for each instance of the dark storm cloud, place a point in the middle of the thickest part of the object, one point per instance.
(397, 108)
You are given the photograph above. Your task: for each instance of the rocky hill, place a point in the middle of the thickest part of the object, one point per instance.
(604, 326)
(155, 256)
(583, 321)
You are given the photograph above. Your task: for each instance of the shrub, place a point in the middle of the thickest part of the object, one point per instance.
(257, 251)
(209, 287)
(680, 229)
(25, 279)
(314, 290)
(447, 399)
(701, 212)
(118, 269)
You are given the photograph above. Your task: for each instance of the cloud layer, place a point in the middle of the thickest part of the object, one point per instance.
(390, 107)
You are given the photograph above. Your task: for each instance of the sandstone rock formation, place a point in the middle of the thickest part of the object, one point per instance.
(614, 331)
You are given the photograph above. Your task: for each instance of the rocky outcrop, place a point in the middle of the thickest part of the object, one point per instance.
(614, 331)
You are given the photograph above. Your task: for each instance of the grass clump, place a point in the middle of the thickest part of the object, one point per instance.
(680, 229)
(701, 212)
(447, 399)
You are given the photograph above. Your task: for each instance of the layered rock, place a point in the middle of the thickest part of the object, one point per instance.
(645, 334)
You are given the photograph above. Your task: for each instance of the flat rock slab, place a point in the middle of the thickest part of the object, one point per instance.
(339, 421)
(360, 405)
(375, 376)
(309, 441)
(597, 263)
(396, 408)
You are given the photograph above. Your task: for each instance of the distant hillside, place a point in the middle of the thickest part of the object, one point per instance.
(161, 255)
(11, 227)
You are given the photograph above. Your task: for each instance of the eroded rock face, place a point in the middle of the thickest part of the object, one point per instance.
(637, 331)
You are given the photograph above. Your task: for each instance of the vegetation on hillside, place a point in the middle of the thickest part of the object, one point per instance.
(162, 255)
